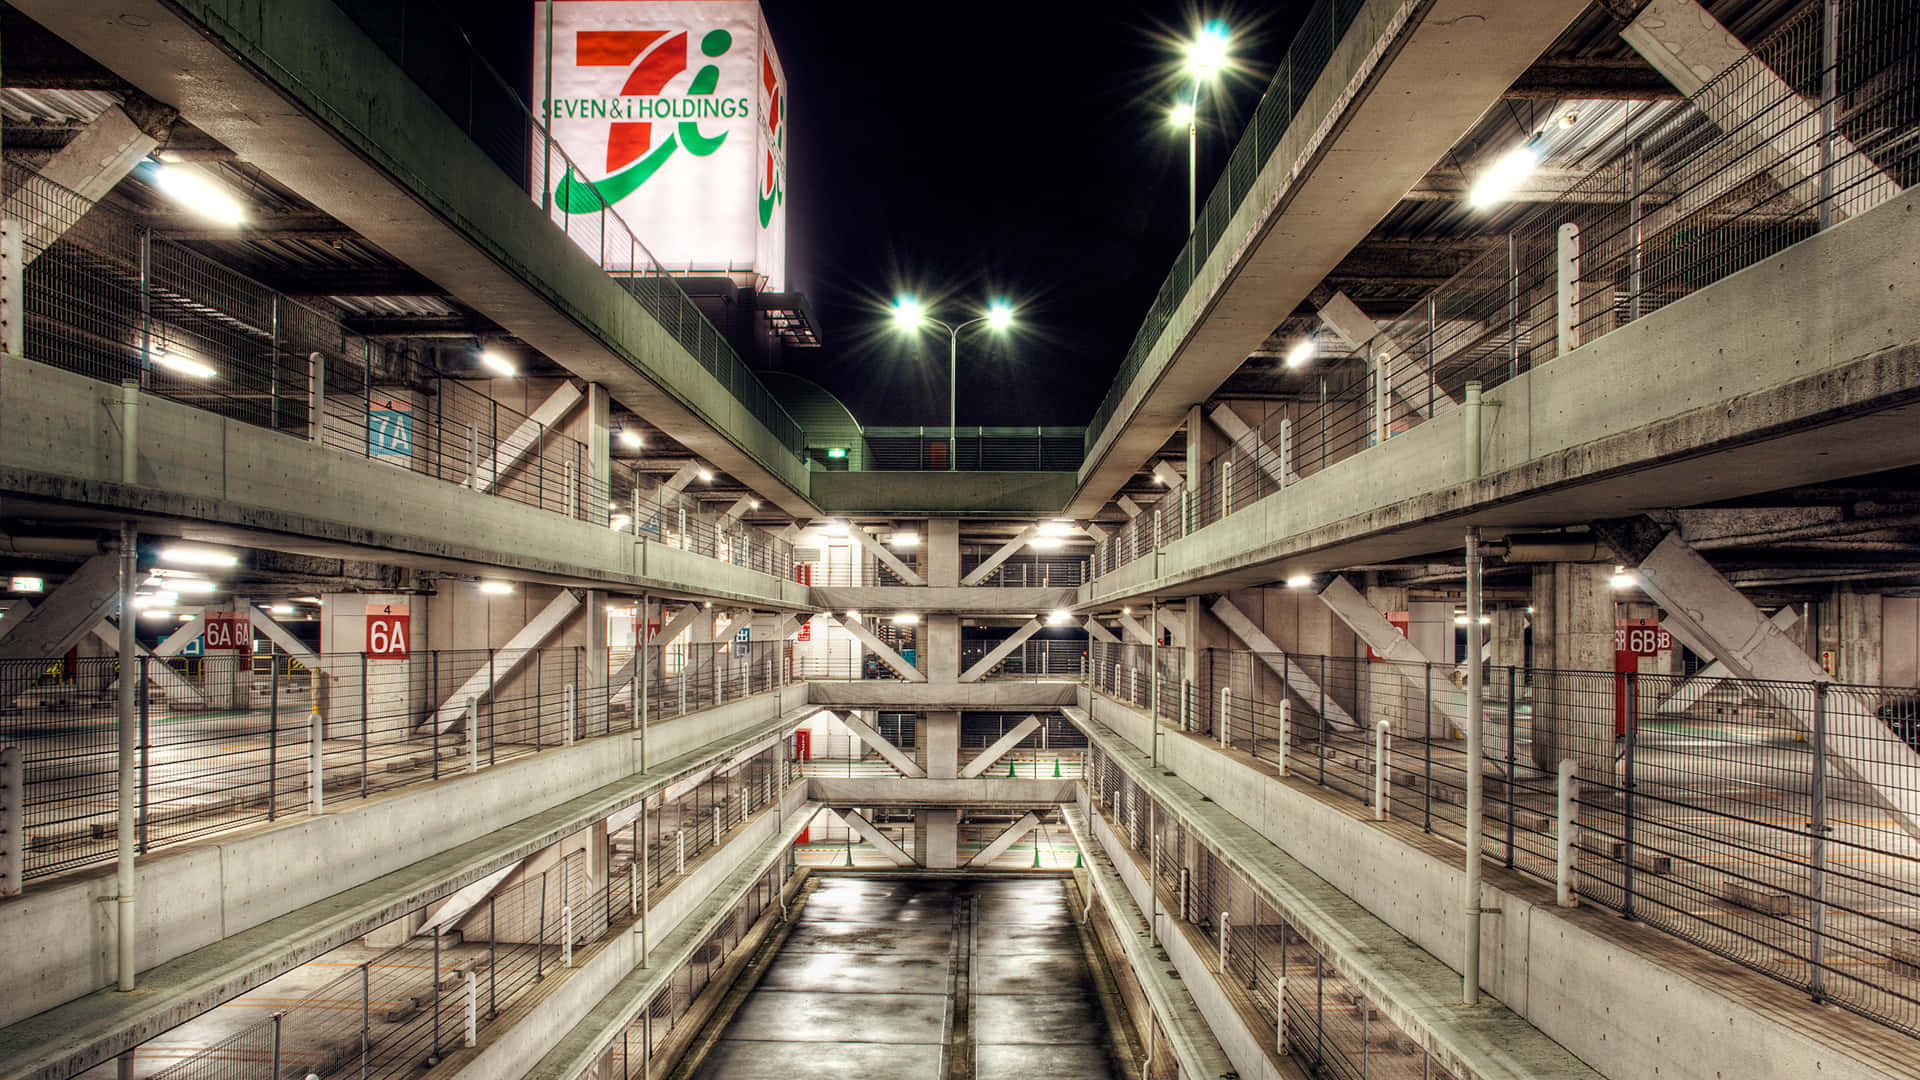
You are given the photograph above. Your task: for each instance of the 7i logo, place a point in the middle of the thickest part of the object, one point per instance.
(656, 58)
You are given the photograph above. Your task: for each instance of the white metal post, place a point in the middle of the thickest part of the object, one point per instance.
(1566, 793)
(1286, 450)
(128, 747)
(1566, 289)
(1286, 726)
(633, 885)
(1380, 771)
(566, 936)
(570, 705)
(1280, 1014)
(1226, 714)
(1223, 943)
(13, 819)
(1470, 966)
(316, 760)
(473, 1009)
(473, 733)
(317, 405)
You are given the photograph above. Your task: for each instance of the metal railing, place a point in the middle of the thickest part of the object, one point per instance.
(1768, 822)
(1051, 658)
(1002, 449)
(1321, 1018)
(427, 43)
(441, 990)
(1686, 195)
(676, 521)
(220, 748)
(1313, 46)
(1027, 571)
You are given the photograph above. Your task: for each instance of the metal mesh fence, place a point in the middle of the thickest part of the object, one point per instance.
(227, 741)
(472, 959)
(1769, 822)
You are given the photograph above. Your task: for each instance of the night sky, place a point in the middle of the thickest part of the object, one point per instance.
(993, 148)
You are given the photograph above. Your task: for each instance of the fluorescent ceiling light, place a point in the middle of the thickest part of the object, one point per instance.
(157, 613)
(706, 477)
(853, 614)
(905, 539)
(496, 588)
(185, 365)
(1625, 580)
(190, 585)
(306, 599)
(1060, 616)
(281, 609)
(1299, 581)
(187, 187)
(1056, 528)
(1301, 353)
(163, 598)
(1048, 543)
(630, 438)
(905, 618)
(198, 556)
(1504, 175)
(498, 364)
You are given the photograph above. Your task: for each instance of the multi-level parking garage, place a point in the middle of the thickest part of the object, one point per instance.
(1476, 635)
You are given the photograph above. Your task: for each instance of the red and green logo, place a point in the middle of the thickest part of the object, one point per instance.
(773, 170)
(654, 58)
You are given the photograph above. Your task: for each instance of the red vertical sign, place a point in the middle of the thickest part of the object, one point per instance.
(388, 631)
(231, 631)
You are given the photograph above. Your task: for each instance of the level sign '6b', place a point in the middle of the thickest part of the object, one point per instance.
(387, 631)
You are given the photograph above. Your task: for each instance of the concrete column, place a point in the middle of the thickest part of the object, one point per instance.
(1509, 639)
(592, 689)
(389, 693)
(1397, 694)
(1573, 633)
(1430, 628)
(940, 735)
(1851, 628)
(599, 442)
(940, 652)
(942, 552)
(942, 838)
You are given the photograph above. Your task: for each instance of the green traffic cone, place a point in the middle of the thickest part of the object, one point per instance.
(1036, 856)
(1009, 770)
(1076, 860)
(1056, 768)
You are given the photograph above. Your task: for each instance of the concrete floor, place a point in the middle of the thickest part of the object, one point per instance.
(921, 977)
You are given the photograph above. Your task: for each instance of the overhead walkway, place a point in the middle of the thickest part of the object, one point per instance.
(1798, 369)
(225, 480)
(304, 93)
(1371, 93)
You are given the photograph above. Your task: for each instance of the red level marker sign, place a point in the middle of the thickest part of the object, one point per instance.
(387, 631)
(228, 630)
(1641, 637)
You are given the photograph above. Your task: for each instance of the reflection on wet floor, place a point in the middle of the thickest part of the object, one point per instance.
(866, 982)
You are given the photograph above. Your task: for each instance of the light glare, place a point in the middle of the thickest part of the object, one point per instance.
(1299, 581)
(193, 556)
(496, 588)
(498, 364)
(908, 314)
(630, 438)
(1180, 116)
(185, 365)
(1209, 50)
(1301, 353)
(1504, 175)
(198, 194)
(999, 315)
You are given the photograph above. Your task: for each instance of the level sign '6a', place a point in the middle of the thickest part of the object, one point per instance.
(387, 631)
(229, 631)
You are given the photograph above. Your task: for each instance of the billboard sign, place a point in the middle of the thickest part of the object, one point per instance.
(674, 113)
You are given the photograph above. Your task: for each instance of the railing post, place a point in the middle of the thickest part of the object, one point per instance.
(1286, 731)
(566, 936)
(13, 819)
(366, 725)
(471, 991)
(1226, 717)
(316, 760)
(317, 407)
(1427, 743)
(1513, 688)
(273, 737)
(275, 1052)
(1380, 771)
(366, 1029)
(146, 751)
(1829, 106)
(1818, 827)
(1223, 943)
(473, 454)
(1280, 1009)
(1566, 797)
(570, 699)
(1566, 289)
(1626, 809)
(473, 732)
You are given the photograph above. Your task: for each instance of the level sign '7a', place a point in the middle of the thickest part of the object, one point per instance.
(387, 631)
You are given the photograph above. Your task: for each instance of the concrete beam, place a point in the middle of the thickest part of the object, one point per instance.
(1001, 651)
(1174, 622)
(90, 166)
(996, 695)
(737, 511)
(1404, 658)
(1751, 646)
(1128, 506)
(998, 847)
(1241, 435)
(875, 837)
(1001, 554)
(1166, 473)
(887, 558)
(1764, 113)
(528, 437)
(293, 646)
(1280, 663)
(1137, 633)
(507, 660)
(1098, 632)
(874, 645)
(1000, 747)
(622, 679)
(169, 680)
(894, 755)
(1690, 692)
(1345, 318)
(68, 613)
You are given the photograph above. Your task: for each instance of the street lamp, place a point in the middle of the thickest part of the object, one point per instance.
(1206, 55)
(910, 315)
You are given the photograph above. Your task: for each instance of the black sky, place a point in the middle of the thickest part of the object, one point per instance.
(991, 148)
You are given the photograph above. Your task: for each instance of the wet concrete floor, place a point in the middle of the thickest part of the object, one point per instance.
(923, 978)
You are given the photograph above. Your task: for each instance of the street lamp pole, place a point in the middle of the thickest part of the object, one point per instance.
(1193, 144)
(953, 394)
(909, 315)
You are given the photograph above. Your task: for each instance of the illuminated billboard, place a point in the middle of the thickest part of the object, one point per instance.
(674, 112)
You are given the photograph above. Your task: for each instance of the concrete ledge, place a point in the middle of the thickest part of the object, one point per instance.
(914, 791)
(1195, 1046)
(249, 908)
(1623, 997)
(1413, 988)
(961, 492)
(574, 1053)
(255, 486)
(709, 890)
(1003, 695)
(964, 600)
